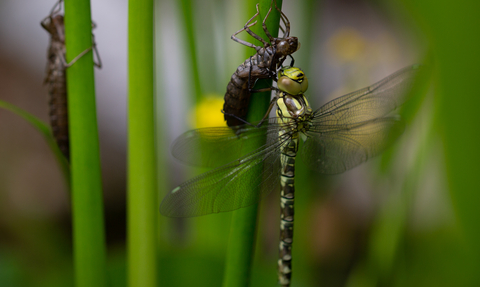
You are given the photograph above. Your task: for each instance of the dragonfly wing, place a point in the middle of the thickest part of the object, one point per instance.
(369, 103)
(213, 147)
(237, 184)
(339, 149)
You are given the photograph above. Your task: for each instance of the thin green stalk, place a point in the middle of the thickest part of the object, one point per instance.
(243, 227)
(142, 185)
(87, 200)
(188, 18)
(46, 132)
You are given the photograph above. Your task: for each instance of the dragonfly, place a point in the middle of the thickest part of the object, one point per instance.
(56, 76)
(262, 65)
(250, 164)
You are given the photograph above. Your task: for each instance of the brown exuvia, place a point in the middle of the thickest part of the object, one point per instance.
(56, 77)
(262, 65)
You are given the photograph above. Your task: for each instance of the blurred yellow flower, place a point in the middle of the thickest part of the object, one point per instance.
(347, 44)
(208, 112)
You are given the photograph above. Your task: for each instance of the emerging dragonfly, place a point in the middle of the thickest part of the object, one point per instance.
(56, 76)
(338, 136)
(262, 65)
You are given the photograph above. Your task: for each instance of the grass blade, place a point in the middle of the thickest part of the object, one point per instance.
(46, 132)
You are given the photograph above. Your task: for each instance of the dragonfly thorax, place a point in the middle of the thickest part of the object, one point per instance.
(292, 107)
(286, 46)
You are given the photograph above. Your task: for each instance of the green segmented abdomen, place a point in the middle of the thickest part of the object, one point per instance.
(287, 198)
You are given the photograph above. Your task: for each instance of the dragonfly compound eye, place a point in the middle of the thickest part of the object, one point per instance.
(292, 80)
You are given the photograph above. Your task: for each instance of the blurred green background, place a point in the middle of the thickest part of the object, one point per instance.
(408, 218)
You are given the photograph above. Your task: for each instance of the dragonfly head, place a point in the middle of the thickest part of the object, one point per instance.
(55, 26)
(286, 46)
(292, 80)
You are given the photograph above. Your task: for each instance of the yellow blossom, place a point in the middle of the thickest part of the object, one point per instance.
(208, 112)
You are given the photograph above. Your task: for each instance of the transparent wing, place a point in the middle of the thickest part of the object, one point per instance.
(234, 185)
(213, 147)
(351, 129)
(369, 103)
(338, 150)
(343, 133)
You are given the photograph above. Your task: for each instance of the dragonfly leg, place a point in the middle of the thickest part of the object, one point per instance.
(56, 8)
(283, 30)
(236, 117)
(265, 25)
(242, 41)
(93, 48)
(265, 117)
(285, 21)
(292, 62)
(250, 84)
(251, 33)
(97, 63)
(280, 64)
(47, 20)
(250, 75)
(273, 69)
(286, 31)
(263, 90)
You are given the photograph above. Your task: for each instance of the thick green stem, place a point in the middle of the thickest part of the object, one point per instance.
(243, 227)
(87, 199)
(142, 185)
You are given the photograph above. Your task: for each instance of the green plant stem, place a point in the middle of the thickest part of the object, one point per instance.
(243, 227)
(87, 200)
(142, 185)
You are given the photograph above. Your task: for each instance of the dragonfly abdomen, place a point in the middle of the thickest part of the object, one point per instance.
(59, 109)
(238, 92)
(56, 80)
(287, 198)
